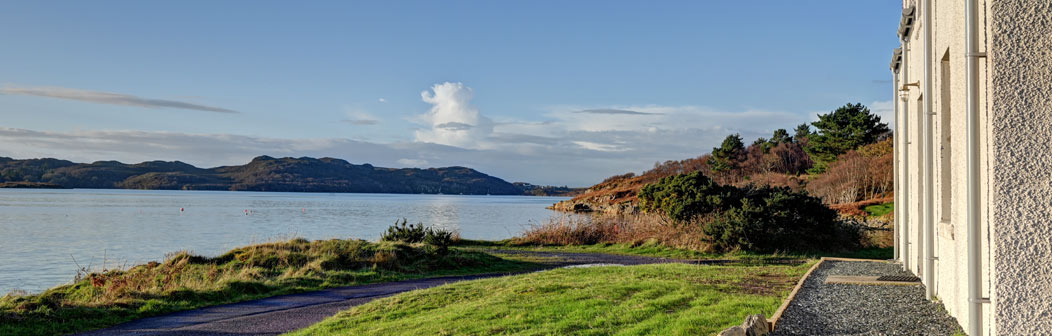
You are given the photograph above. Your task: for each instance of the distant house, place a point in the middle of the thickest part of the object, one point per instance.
(973, 146)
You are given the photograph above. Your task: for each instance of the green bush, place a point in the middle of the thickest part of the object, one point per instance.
(412, 233)
(437, 240)
(683, 197)
(777, 219)
(760, 219)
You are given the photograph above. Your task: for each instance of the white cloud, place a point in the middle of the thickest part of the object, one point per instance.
(382, 100)
(452, 119)
(413, 163)
(108, 98)
(360, 118)
(600, 147)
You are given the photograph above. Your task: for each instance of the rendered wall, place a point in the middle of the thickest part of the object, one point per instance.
(1021, 116)
(951, 245)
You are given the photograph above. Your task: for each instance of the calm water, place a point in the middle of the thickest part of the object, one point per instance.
(43, 231)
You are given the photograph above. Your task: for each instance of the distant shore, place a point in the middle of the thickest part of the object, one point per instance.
(31, 185)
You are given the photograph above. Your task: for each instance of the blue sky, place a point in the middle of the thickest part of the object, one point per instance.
(550, 92)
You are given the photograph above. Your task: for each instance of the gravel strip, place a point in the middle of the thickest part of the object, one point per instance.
(842, 309)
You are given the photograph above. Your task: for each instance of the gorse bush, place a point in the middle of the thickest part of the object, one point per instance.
(682, 197)
(777, 219)
(437, 240)
(412, 233)
(760, 219)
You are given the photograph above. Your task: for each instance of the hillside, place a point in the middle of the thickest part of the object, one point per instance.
(263, 173)
(848, 160)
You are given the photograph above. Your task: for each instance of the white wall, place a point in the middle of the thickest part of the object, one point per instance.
(1021, 183)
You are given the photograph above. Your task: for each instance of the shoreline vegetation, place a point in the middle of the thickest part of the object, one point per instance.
(185, 281)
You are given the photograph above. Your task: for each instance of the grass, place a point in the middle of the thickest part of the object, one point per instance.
(878, 210)
(184, 281)
(663, 299)
(648, 249)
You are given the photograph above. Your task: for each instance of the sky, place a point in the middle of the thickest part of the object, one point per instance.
(546, 92)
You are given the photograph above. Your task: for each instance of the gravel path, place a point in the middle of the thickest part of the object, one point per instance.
(280, 314)
(841, 309)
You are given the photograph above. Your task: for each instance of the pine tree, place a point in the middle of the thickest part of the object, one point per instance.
(844, 129)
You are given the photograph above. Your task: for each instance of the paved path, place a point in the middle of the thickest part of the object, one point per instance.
(850, 309)
(280, 314)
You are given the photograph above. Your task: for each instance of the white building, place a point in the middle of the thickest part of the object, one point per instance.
(973, 146)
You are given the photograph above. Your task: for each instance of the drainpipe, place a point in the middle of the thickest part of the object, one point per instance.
(898, 204)
(926, 151)
(975, 299)
(897, 245)
(905, 157)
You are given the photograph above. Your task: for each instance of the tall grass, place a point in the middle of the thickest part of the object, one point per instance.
(632, 229)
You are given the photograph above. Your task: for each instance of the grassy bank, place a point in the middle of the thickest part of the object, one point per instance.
(185, 281)
(665, 299)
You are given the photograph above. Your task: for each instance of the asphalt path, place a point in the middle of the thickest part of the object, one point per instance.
(281, 314)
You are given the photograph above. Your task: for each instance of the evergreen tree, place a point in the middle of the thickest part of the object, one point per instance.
(780, 136)
(728, 154)
(844, 129)
(803, 131)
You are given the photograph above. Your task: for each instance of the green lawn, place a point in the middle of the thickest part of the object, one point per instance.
(665, 299)
(880, 209)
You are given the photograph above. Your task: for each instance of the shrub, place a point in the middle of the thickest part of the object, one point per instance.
(751, 218)
(857, 175)
(683, 197)
(778, 219)
(404, 233)
(437, 240)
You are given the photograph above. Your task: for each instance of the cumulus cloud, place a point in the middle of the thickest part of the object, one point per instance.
(452, 119)
(108, 98)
